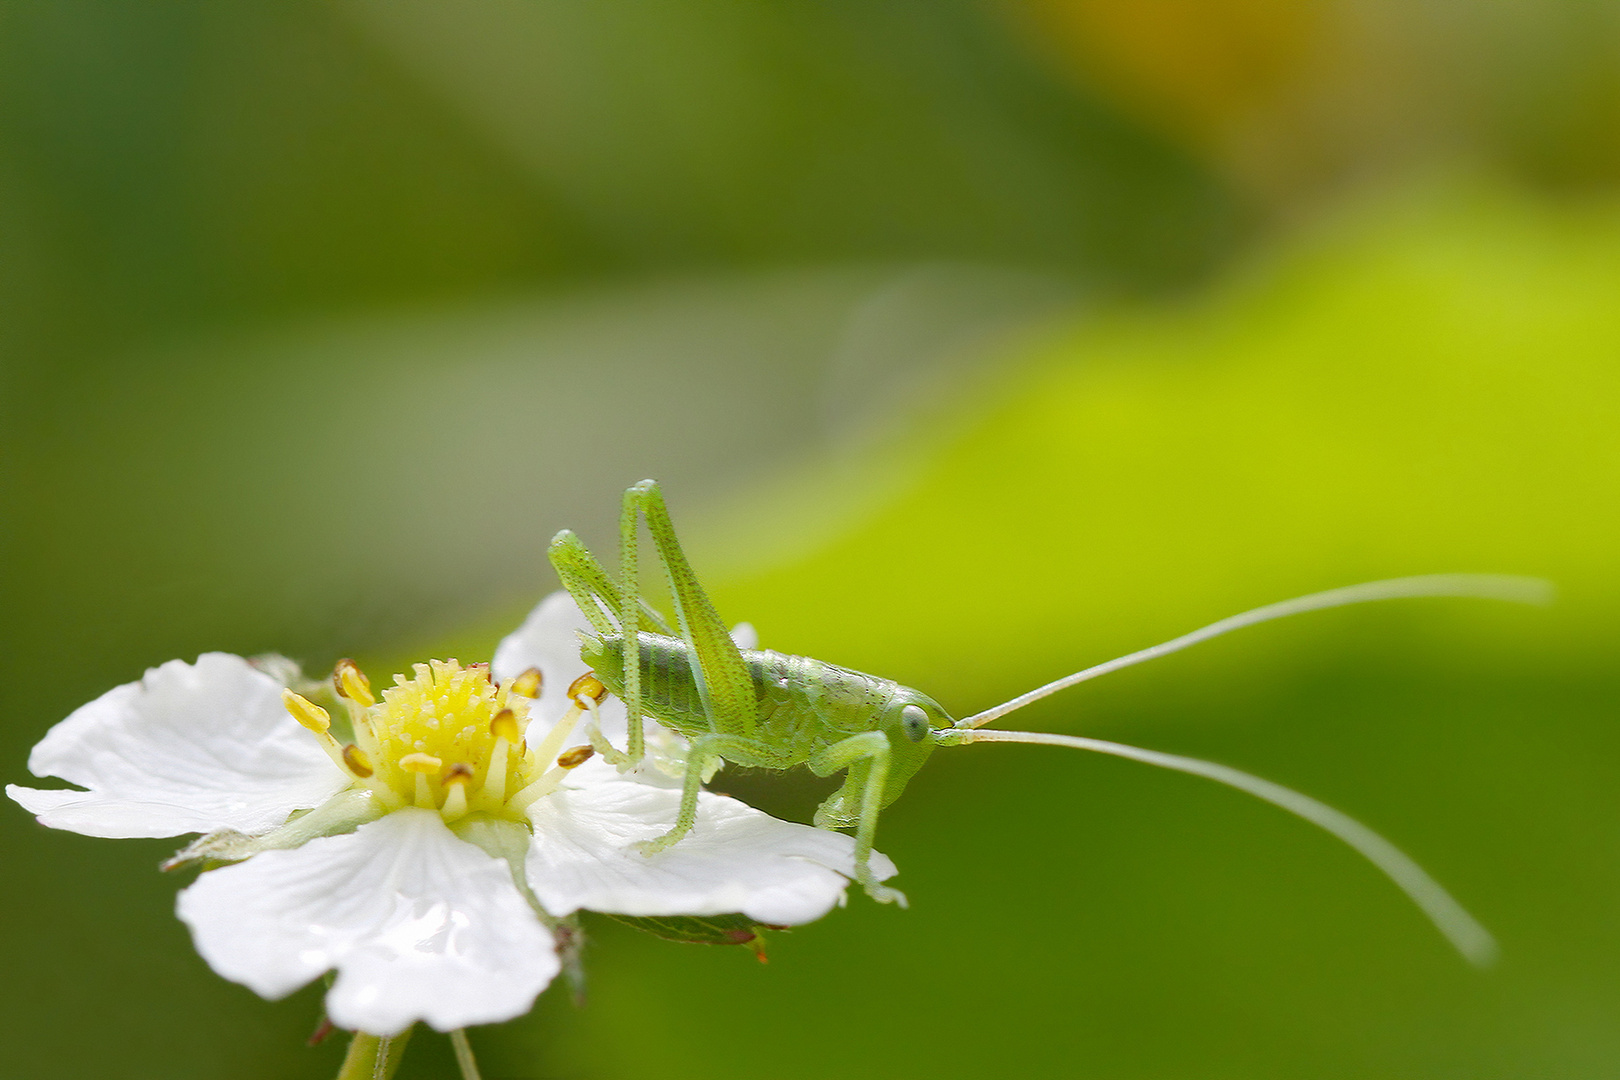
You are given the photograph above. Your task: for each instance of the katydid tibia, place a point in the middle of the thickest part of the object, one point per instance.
(775, 711)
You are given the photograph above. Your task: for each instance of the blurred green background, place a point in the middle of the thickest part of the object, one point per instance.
(974, 342)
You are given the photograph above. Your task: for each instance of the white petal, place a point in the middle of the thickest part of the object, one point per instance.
(419, 925)
(736, 859)
(189, 748)
(549, 640)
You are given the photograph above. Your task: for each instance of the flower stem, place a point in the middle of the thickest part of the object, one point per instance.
(373, 1057)
(464, 1055)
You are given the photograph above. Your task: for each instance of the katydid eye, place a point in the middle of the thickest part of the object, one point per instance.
(914, 722)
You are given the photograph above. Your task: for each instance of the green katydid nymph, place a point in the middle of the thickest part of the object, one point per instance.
(771, 710)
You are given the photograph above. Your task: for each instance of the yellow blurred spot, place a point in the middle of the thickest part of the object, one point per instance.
(1195, 66)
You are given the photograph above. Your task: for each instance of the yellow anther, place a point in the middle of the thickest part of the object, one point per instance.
(352, 683)
(460, 773)
(587, 686)
(306, 712)
(356, 761)
(573, 759)
(527, 684)
(505, 726)
(421, 763)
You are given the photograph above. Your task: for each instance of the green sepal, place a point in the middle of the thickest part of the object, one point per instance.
(705, 930)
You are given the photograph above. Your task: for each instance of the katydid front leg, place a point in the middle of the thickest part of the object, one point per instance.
(866, 756)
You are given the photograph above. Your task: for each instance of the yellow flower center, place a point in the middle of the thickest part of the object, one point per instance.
(449, 739)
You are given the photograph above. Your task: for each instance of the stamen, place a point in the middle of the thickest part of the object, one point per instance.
(587, 686)
(421, 765)
(350, 682)
(527, 684)
(505, 726)
(538, 790)
(573, 759)
(306, 712)
(586, 692)
(357, 761)
(315, 718)
(455, 783)
(553, 741)
(365, 736)
(494, 789)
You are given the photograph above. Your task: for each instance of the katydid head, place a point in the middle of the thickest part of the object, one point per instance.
(913, 723)
(911, 720)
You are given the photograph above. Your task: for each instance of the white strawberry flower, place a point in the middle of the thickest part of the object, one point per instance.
(429, 855)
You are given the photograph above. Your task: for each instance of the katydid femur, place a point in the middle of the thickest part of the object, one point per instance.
(775, 711)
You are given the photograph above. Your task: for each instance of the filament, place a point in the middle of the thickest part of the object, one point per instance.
(547, 748)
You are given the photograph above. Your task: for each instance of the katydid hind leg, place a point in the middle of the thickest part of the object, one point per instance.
(703, 751)
(723, 681)
(611, 608)
(630, 626)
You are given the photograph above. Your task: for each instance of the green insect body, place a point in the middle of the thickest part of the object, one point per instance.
(762, 709)
(777, 711)
(802, 708)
